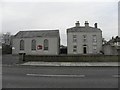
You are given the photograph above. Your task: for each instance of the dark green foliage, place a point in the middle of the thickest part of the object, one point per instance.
(6, 49)
(73, 58)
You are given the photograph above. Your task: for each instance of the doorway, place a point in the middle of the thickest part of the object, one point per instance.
(84, 50)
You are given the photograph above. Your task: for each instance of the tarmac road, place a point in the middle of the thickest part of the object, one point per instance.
(59, 77)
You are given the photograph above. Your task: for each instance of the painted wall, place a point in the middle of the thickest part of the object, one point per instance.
(110, 50)
(53, 46)
(80, 42)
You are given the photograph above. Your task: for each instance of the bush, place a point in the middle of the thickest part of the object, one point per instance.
(6, 49)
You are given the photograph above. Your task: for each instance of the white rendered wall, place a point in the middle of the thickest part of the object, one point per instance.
(53, 46)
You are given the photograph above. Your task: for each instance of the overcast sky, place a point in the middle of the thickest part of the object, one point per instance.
(18, 16)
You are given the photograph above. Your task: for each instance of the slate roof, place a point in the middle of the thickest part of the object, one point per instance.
(83, 29)
(113, 40)
(37, 33)
(116, 39)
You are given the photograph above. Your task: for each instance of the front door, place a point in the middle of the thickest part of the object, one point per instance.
(84, 50)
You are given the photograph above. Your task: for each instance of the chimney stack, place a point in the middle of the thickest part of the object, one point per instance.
(95, 25)
(86, 23)
(77, 24)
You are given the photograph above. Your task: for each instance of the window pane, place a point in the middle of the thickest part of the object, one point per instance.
(46, 44)
(33, 45)
(74, 50)
(94, 47)
(21, 44)
(84, 38)
(74, 38)
(74, 46)
(94, 38)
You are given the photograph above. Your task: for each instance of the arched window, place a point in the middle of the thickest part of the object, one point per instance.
(46, 44)
(21, 44)
(33, 45)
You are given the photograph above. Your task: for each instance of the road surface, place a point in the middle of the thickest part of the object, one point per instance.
(59, 77)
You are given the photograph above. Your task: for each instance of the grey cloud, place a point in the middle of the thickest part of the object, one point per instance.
(25, 15)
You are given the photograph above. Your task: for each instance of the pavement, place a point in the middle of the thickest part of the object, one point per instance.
(70, 64)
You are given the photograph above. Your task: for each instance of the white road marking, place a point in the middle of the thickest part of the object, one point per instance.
(43, 75)
(116, 76)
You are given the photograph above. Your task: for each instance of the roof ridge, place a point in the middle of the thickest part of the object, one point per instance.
(38, 30)
(38, 33)
(83, 29)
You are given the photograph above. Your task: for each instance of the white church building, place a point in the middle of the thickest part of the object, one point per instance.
(37, 42)
(84, 39)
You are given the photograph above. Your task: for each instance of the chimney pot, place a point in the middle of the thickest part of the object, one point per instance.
(95, 25)
(86, 23)
(77, 24)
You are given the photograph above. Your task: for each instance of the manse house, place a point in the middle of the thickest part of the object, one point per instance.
(84, 39)
(40, 42)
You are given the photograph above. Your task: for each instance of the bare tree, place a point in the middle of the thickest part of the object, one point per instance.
(7, 38)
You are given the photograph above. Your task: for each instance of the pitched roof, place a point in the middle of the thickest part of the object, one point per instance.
(83, 29)
(117, 39)
(37, 33)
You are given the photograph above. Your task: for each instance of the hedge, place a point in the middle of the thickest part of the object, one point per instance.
(73, 58)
